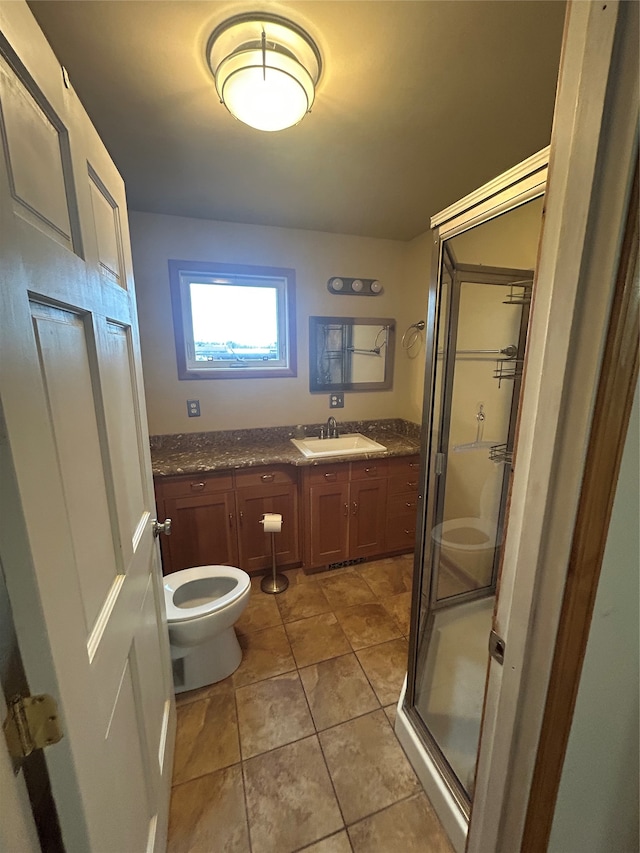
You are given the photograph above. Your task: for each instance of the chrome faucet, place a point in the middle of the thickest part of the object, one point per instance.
(332, 427)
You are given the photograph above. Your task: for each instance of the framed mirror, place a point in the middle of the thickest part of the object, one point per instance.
(351, 353)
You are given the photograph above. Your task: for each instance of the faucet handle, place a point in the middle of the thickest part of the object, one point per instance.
(321, 432)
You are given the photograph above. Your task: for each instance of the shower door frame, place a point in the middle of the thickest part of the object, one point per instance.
(435, 493)
(522, 184)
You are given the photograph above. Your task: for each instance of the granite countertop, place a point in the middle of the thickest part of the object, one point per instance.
(190, 453)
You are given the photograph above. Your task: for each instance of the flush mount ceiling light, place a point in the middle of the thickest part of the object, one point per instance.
(265, 69)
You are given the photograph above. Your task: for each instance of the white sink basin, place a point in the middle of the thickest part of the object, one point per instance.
(344, 445)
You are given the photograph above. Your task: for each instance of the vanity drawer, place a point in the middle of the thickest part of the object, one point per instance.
(336, 473)
(180, 487)
(398, 505)
(404, 474)
(367, 469)
(266, 476)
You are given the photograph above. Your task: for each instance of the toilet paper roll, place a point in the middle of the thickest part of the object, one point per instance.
(272, 522)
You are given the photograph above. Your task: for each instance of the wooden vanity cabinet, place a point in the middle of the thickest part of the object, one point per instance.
(402, 503)
(368, 499)
(272, 489)
(203, 522)
(216, 518)
(344, 511)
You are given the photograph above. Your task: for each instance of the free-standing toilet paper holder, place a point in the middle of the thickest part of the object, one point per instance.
(272, 523)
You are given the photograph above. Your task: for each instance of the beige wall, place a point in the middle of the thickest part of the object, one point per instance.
(417, 277)
(316, 256)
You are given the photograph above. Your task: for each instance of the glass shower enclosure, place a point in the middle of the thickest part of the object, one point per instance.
(477, 325)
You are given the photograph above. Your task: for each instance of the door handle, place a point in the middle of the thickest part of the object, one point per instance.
(197, 487)
(346, 510)
(266, 478)
(354, 508)
(161, 527)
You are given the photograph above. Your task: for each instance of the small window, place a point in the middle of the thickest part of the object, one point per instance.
(232, 321)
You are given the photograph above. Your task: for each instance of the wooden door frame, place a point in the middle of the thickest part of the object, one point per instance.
(606, 444)
(593, 155)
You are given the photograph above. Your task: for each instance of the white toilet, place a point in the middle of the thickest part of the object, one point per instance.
(469, 543)
(203, 604)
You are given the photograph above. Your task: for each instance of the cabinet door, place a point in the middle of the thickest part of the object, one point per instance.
(368, 503)
(328, 523)
(253, 543)
(203, 532)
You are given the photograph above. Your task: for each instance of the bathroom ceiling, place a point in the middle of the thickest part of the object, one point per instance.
(420, 102)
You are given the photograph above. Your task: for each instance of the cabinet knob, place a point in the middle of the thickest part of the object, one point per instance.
(197, 487)
(354, 508)
(346, 510)
(267, 478)
(410, 532)
(372, 470)
(412, 484)
(410, 504)
(330, 475)
(159, 527)
(413, 464)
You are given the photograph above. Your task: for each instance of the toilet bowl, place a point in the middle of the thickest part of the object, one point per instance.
(203, 604)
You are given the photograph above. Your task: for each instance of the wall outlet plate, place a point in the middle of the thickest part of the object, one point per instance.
(193, 408)
(336, 400)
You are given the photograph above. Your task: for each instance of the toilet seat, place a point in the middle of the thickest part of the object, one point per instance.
(175, 582)
(442, 533)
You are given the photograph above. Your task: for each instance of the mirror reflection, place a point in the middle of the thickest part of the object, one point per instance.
(350, 354)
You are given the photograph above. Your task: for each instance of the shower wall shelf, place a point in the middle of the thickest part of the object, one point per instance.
(519, 293)
(508, 369)
(499, 453)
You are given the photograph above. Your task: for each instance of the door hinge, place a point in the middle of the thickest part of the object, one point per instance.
(497, 647)
(440, 463)
(32, 723)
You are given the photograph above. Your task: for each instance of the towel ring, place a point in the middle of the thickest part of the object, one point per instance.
(412, 335)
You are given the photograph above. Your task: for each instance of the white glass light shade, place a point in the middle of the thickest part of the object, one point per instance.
(269, 96)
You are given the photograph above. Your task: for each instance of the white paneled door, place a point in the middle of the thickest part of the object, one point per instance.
(77, 499)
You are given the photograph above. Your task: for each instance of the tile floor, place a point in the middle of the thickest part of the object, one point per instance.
(296, 750)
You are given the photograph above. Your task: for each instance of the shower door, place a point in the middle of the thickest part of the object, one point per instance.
(481, 311)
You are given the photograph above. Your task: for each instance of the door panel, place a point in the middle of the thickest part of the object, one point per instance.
(37, 158)
(69, 384)
(80, 560)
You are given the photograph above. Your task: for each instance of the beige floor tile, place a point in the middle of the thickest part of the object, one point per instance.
(385, 577)
(209, 814)
(207, 735)
(302, 600)
(367, 625)
(297, 576)
(410, 826)
(385, 666)
(264, 654)
(368, 768)
(272, 713)
(399, 607)
(317, 638)
(290, 800)
(261, 612)
(337, 690)
(346, 590)
(390, 711)
(338, 843)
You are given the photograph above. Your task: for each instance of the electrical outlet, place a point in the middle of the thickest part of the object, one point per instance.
(193, 408)
(336, 400)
